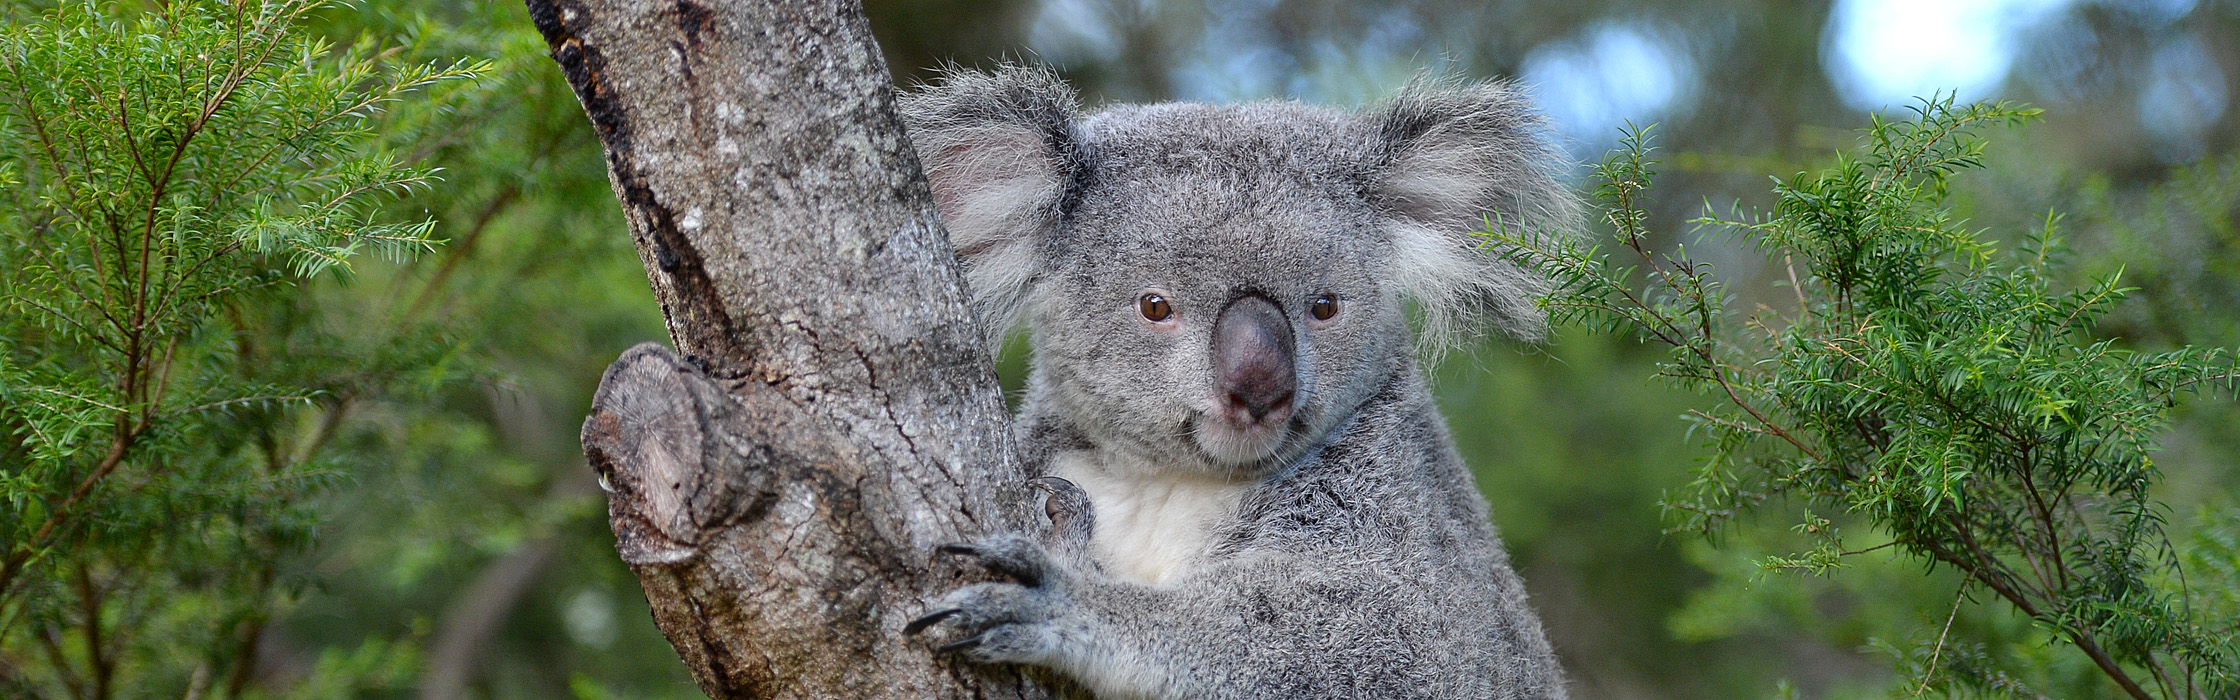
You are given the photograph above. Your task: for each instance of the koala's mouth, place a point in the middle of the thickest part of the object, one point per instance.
(1234, 436)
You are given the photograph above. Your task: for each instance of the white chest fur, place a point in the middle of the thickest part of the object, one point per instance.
(1151, 524)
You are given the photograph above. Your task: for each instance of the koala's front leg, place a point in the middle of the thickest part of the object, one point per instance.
(1028, 621)
(1052, 613)
(1020, 622)
(1061, 614)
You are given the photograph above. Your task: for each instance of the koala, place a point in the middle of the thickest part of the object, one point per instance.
(1252, 493)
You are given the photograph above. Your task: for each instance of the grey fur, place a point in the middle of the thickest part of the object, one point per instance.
(1347, 554)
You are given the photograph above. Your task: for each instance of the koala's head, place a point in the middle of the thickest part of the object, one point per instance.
(1216, 286)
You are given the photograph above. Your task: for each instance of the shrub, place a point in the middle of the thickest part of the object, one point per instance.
(1945, 392)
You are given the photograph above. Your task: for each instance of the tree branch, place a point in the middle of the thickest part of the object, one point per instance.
(779, 499)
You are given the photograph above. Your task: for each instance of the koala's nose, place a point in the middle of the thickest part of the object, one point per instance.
(1252, 357)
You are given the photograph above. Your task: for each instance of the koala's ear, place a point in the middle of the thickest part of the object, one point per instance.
(1453, 157)
(1002, 151)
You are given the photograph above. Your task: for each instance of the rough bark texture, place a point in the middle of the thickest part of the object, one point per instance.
(779, 491)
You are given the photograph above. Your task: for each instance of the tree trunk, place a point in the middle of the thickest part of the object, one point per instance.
(779, 491)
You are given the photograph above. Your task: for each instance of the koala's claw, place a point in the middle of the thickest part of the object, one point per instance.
(1066, 500)
(1001, 622)
(995, 622)
(929, 620)
(957, 548)
(1008, 555)
(963, 644)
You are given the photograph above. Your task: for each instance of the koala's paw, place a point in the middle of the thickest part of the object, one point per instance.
(1072, 521)
(1003, 622)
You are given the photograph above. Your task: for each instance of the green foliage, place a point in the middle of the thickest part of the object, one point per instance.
(1945, 393)
(166, 393)
(468, 507)
(418, 488)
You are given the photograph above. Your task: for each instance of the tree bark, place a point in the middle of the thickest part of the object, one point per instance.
(779, 491)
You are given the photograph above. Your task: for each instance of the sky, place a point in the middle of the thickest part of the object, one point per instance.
(1882, 55)
(1879, 54)
(1884, 52)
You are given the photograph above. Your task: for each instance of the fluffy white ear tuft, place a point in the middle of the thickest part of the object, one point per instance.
(1002, 152)
(1456, 157)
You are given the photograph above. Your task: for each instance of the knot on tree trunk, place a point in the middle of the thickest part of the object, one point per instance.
(682, 455)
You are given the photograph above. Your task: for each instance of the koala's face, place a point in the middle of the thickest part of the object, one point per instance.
(1217, 287)
(1220, 295)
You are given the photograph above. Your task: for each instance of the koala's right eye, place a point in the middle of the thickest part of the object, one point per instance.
(1154, 307)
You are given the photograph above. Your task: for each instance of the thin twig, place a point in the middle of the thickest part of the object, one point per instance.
(241, 400)
(1937, 652)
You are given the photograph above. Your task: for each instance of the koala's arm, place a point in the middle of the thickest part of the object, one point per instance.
(1340, 623)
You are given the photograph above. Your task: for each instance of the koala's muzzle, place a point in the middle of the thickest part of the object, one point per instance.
(1253, 366)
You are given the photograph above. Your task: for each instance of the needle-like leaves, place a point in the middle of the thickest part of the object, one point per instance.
(1946, 392)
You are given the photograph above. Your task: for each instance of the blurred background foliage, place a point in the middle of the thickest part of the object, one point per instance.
(460, 550)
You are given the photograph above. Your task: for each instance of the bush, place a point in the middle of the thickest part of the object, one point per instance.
(1947, 394)
(165, 391)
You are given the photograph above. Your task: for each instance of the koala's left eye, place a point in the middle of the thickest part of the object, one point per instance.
(1323, 307)
(1154, 308)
